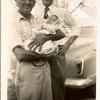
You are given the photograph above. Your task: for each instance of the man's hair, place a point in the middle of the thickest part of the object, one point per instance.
(47, 3)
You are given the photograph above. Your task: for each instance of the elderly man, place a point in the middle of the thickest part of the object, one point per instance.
(32, 69)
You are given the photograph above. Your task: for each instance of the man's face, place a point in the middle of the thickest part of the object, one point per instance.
(47, 3)
(25, 6)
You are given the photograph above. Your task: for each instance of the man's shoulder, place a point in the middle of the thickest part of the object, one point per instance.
(15, 16)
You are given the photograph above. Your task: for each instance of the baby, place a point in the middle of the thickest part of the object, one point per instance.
(52, 23)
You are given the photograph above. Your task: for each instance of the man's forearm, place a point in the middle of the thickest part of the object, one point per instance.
(64, 48)
(59, 35)
(26, 56)
(69, 42)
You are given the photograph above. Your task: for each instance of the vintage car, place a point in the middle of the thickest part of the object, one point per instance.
(81, 78)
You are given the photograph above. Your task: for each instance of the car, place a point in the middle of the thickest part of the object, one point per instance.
(81, 78)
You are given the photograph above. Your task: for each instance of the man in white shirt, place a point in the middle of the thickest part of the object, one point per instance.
(32, 69)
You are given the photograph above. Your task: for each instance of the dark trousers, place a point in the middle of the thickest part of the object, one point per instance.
(58, 68)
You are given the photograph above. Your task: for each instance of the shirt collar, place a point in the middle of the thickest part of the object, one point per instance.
(21, 17)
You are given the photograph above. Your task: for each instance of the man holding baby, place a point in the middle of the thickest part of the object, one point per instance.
(33, 76)
(32, 69)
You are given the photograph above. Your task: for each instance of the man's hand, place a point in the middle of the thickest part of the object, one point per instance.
(38, 41)
(62, 49)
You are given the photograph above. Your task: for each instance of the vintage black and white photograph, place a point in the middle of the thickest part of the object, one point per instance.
(49, 49)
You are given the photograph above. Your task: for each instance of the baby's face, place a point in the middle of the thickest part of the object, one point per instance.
(52, 19)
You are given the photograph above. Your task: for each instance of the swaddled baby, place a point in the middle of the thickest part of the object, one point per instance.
(53, 23)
